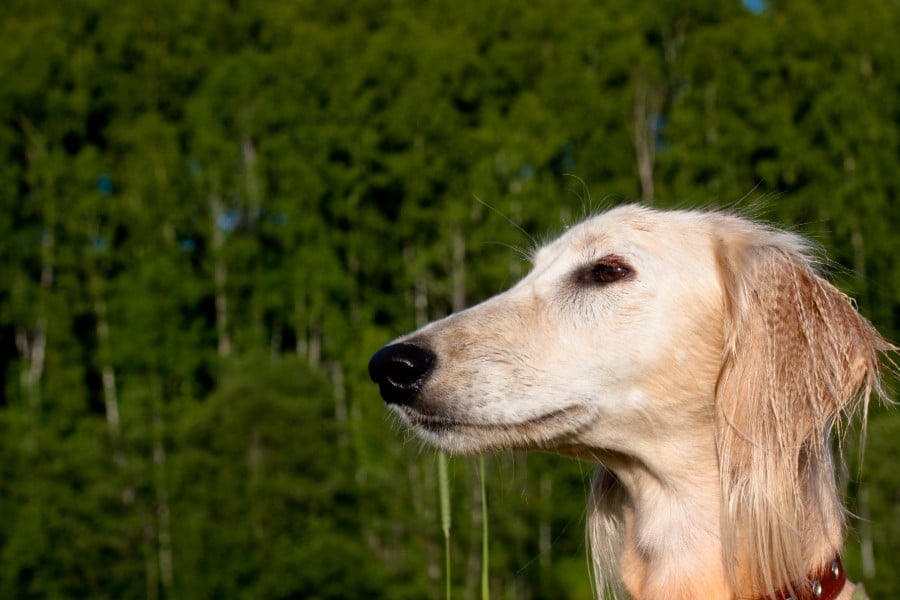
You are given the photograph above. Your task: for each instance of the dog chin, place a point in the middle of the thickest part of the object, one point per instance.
(456, 442)
(446, 433)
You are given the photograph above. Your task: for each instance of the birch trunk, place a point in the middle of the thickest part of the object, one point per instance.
(31, 342)
(340, 401)
(458, 303)
(107, 372)
(252, 184)
(220, 275)
(545, 542)
(163, 515)
(458, 270)
(647, 104)
(423, 480)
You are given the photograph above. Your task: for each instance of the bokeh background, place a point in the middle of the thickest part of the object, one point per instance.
(215, 211)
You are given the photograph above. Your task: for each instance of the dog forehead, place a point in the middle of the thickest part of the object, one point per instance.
(627, 224)
(618, 230)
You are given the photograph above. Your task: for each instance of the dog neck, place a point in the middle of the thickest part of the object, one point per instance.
(671, 511)
(672, 546)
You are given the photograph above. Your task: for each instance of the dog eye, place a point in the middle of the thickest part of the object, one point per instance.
(605, 271)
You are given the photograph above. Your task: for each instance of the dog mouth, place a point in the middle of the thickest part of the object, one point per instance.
(552, 425)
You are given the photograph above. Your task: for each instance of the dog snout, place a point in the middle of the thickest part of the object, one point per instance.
(400, 371)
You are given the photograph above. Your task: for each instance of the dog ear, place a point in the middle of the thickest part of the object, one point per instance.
(797, 357)
(605, 533)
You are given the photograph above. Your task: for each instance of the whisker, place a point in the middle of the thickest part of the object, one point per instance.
(531, 239)
(586, 210)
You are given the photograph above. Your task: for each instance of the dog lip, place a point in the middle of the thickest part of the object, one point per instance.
(436, 422)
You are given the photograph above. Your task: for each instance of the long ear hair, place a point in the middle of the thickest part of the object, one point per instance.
(797, 358)
(605, 534)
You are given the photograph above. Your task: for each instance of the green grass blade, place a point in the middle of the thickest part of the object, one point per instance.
(444, 492)
(485, 570)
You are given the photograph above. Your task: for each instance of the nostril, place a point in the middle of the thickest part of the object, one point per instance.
(400, 370)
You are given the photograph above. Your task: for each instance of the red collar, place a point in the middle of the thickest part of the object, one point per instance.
(824, 585)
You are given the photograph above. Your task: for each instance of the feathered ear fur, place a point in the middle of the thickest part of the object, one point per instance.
(797, 358)
(605, 532)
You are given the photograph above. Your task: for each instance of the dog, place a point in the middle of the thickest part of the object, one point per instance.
(701, 361)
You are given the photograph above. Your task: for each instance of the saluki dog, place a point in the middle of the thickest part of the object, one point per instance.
(701, 360)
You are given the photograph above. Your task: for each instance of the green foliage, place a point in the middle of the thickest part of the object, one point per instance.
(213, 213)
(246, 462)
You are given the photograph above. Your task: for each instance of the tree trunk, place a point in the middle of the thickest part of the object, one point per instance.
(151, 566)
(220, 275)
(859, 265)
(107, 373)
(458, 270)
(163, 527)
(252, 184)
(314, 346)
(420, 301)
(423, 483)
(340, 401)
(647, 105)
(545, 490)
(32, 342)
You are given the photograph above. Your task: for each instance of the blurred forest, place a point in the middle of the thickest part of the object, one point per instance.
(214, 212)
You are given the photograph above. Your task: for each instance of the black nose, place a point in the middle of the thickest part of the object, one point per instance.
(400, 370)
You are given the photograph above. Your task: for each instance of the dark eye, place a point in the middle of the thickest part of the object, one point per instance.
(604, 271)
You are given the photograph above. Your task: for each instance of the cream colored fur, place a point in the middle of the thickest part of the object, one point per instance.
(704, 381)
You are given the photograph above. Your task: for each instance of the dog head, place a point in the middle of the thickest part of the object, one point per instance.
(616, 332)
(642, 337)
